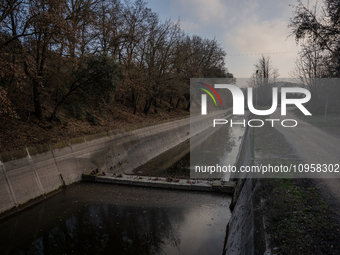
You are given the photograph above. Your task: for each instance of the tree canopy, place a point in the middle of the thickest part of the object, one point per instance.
(317, 29)
(59, 55)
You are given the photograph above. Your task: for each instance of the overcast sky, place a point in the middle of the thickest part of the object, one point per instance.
(242, 27)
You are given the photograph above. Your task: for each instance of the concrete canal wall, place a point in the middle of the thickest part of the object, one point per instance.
(34, 172)
(245, 230)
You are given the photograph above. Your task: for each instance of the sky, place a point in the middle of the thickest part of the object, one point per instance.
(246, 29)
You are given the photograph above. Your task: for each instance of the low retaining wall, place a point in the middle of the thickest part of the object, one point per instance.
(34, 172)
(245, 231)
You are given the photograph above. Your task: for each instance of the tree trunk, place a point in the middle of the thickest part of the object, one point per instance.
(178, 101)
(188, 107)
(170, 102)
(134, 102)
(147, 106)
(135, 108)
(37, 102)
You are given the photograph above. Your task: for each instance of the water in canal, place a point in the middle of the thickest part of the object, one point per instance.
(207, 148)
(105, 219)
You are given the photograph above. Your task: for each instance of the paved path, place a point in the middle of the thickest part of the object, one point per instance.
(313, 145)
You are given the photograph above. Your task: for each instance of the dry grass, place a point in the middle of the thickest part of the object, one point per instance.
(26, 132)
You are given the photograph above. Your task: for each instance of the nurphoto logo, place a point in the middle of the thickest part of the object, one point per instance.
(239, 104)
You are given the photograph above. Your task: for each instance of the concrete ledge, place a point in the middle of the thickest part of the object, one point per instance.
(121, 181)
(97, 179)
(202, 187)
(162, 184)
(180, 186)
(226, 187)
(158, 182)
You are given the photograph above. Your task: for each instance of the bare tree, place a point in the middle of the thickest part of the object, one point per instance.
(263, 78)
(317, 29)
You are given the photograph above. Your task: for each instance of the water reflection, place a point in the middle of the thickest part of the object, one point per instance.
(107, 219)
(101, 229)
(172, 163)
(216, 146)
(219, 145)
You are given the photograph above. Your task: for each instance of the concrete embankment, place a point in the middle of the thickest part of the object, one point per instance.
(245, 230)
(34, 172)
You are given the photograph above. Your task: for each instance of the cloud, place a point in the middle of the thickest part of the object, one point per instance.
(242, 11)
(202, 11)
(244, 26)
(262, 37)
(188, 25)
(254, 37)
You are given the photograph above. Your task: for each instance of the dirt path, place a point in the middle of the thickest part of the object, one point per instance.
(314, 146)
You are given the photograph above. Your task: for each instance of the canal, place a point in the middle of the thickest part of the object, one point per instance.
(90, 218)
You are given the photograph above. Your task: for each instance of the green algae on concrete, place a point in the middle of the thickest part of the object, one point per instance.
(13, 155)
(59, 145)
(41, 148)
(77, 140)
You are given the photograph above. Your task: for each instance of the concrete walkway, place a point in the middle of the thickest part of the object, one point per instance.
(314, 145)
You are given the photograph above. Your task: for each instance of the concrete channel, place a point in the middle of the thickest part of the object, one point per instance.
(30, 175)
